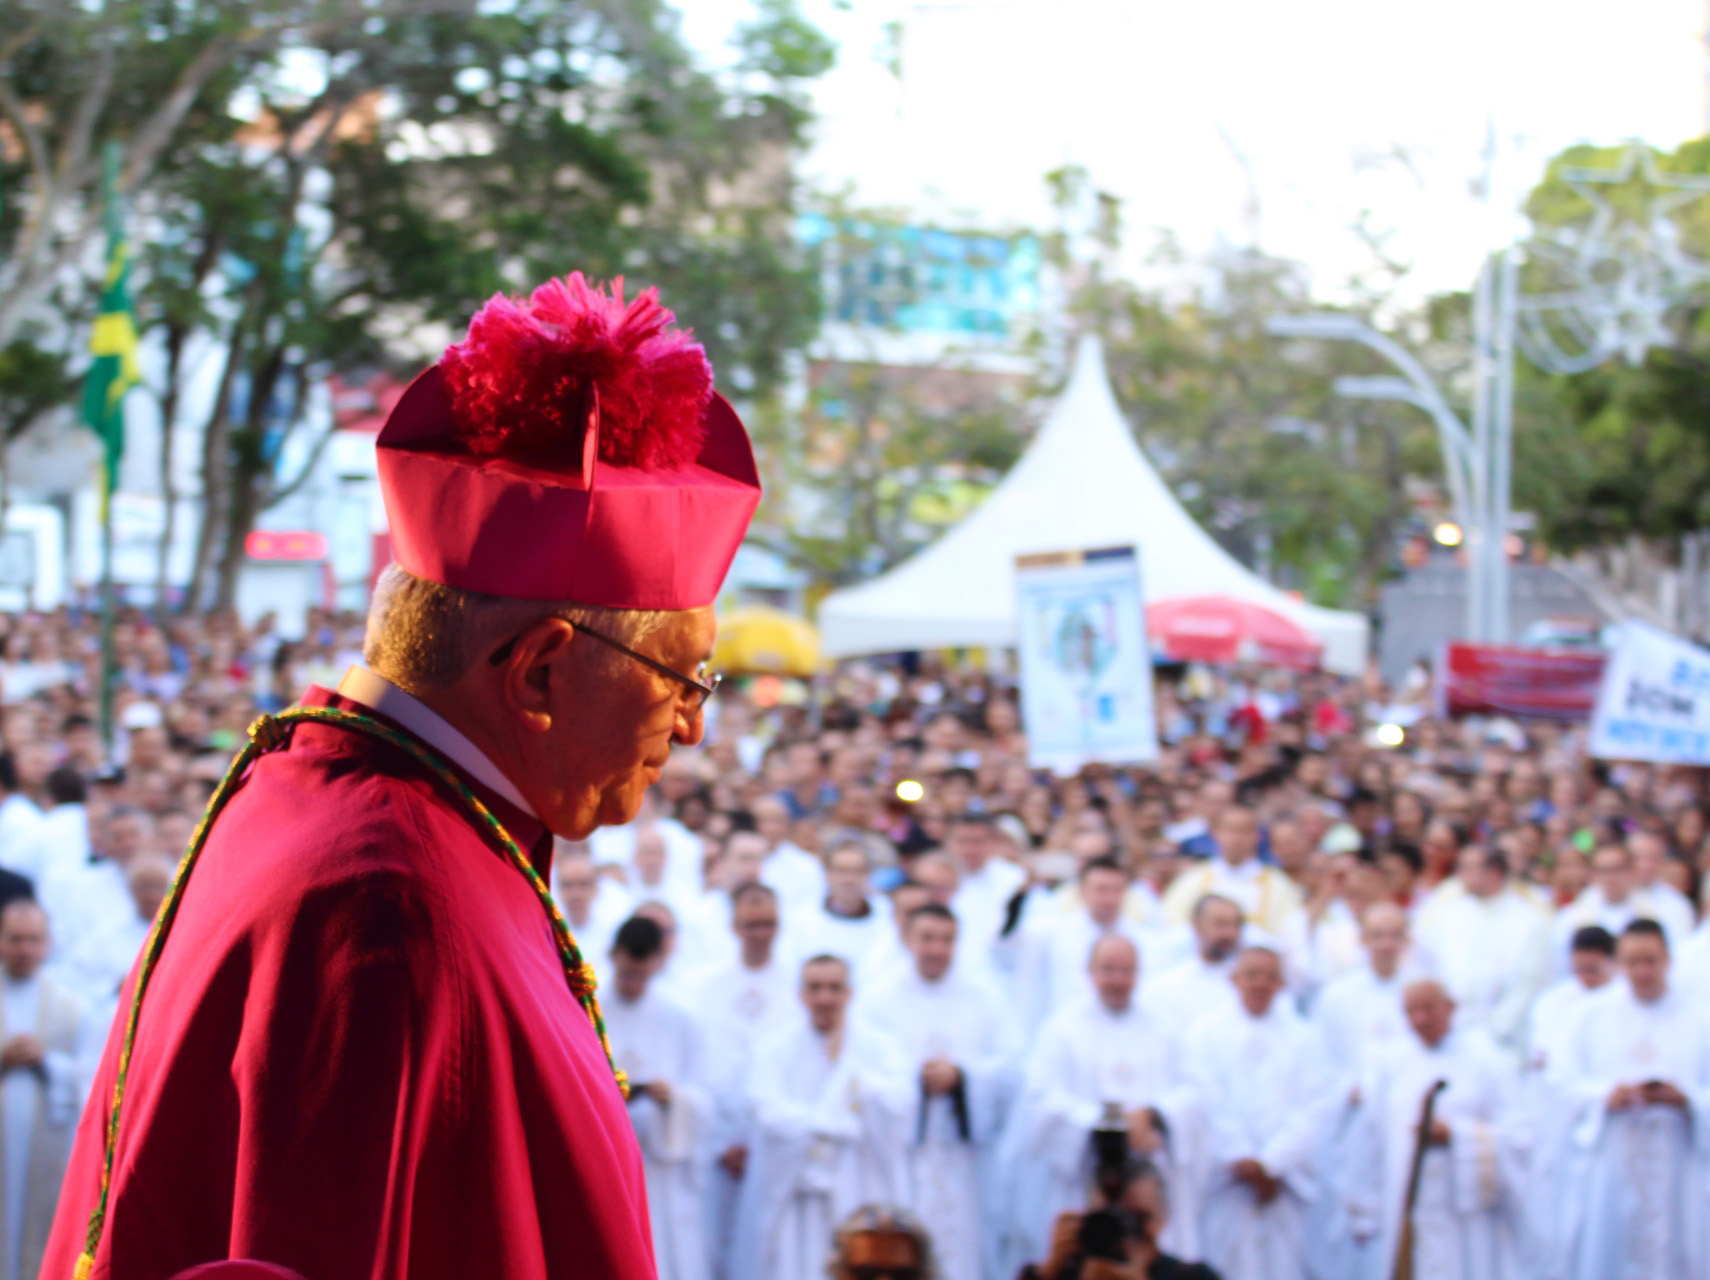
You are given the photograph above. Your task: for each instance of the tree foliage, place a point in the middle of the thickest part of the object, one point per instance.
(337, 181)
(1619, 450)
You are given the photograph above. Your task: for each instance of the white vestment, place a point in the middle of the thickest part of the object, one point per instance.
(60, 841)
(1663, 904)
(1638, 1197)
(83, 900)
(20, 822)
(738, 1007)
(1469, 1219)
(829, 1137)
(1051, 961)
(38, 1116)
(654, 1039)
(814, 930)
(981, 903)
(1262, 1085)
(953, 1139)
(1359, 1015)
(615, 846)
(611, 906)
(1083, 1058)
(1192, 990)
(96, 966)
(1493, 956)
(795, 875)
(1266, 896)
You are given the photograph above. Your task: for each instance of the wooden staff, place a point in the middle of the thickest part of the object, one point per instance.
(1404, 1249)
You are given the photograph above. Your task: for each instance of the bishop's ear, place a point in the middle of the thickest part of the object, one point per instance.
(536, 665)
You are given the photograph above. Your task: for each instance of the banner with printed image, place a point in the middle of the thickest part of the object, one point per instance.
(1086, 669)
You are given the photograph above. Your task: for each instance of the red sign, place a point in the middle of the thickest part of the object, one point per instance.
(1508, 680)
(295, 544)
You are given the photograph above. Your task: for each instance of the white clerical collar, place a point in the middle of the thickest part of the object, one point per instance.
(407, 711)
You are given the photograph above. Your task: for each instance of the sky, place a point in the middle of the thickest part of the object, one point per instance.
(1276, 123)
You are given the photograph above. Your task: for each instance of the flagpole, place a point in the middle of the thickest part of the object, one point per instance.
(110, 423)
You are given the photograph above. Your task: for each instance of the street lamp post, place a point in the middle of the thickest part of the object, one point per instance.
(1469, 457)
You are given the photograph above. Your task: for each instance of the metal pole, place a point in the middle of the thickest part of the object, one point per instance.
(1479, 602)
(109, 656)
(1502, 443)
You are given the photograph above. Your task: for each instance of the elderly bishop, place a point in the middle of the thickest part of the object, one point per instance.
(363, 1041)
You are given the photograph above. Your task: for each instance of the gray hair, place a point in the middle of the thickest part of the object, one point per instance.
(423, 636)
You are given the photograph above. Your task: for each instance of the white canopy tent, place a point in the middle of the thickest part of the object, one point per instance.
(1083, 483)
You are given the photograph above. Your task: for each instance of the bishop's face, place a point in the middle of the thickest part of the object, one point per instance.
(614, 721)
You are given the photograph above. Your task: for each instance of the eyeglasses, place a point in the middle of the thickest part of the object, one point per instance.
(698, 691)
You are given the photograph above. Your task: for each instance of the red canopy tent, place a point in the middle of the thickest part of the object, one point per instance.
(1223, 629)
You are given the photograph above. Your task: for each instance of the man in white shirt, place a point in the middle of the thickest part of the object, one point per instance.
(1104, 1058)
(1637, 1077)
(1186, 992)
(1052, 960)
(956, 1037)
(1612, 901)
(740, 1002)
(97, 965)
(1669, 907)
(832, 1097)
(1554, 1024)
(43, 1070)
(19, 815)
(657, 1044)
(1265, 895)
(86, 900)
(851, 921)
(1359, 1014)
(1490, 947)
(593, 904)
(1261, 1080)
(986, 884)
(794, 874)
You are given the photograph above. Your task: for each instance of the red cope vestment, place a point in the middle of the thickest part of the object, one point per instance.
(359, 1056)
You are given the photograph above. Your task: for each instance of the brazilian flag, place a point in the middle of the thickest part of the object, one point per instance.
(113, 343)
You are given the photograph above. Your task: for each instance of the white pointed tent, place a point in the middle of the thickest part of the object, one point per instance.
(1082, 483)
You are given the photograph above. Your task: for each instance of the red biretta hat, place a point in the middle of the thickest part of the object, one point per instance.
(571, 447)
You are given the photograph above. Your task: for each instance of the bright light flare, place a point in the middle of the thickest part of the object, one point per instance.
(1391, 735)
(1448, 534)
(910, 792)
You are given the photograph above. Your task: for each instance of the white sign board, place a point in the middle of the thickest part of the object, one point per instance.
(1654, 703)
(1086, 669)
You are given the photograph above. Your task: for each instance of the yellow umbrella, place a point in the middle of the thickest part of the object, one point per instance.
(767, 640)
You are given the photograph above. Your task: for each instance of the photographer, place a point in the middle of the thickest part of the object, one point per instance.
(1118, 1238)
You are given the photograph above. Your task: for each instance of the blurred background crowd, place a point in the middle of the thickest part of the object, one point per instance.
(1229, 956)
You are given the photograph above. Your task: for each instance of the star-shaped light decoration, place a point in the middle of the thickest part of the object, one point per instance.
(1620, 276)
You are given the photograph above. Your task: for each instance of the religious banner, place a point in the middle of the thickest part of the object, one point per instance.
(1655, 701)
(1086, 671)
(1513, 680)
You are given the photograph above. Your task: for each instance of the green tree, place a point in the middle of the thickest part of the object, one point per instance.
(1618, 450)
(346, 177)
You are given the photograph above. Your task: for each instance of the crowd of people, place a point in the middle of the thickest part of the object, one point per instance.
(1330, 1001)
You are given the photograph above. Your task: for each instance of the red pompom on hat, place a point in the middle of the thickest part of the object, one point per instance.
(571, 447)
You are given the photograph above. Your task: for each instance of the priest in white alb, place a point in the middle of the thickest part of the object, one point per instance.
(851, 921)
(1199, 985)
(739, 1002)
(43, 1079)
(959, 1045)
(1490, 947)
(1468, 1215)
(1051, 958)
(657, 1044)
(1359, 1013)
(1103, 1058)
(1261, 1079)
(1637, 1075)
(832, 1099)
